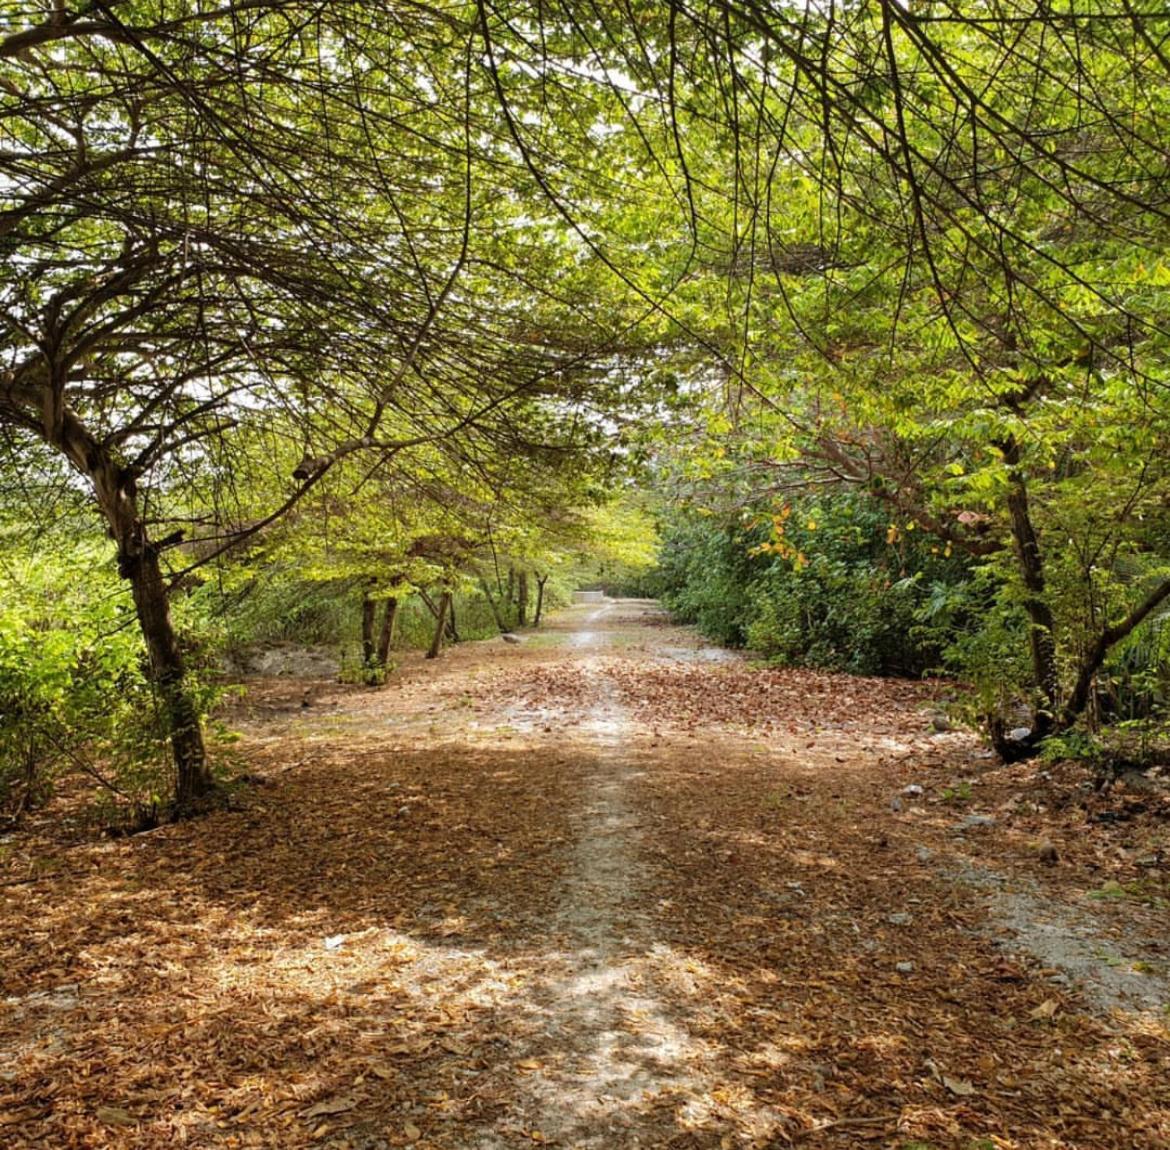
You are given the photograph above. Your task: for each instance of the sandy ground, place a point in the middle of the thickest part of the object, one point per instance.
(608, 888)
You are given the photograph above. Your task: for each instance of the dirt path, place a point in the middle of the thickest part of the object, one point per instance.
(610, 888)
(607, 1042)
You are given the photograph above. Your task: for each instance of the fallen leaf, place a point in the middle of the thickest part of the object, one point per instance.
(330, 1106)
(412, 1132)
(115, 1116)
(408, 1048)
(960, 1087)
(1046, 1009)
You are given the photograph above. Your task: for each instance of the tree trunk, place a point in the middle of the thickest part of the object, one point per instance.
(138, 563)
(386, 634)
(495, 607)
(1041, 624)
(440, 625)
(193, 780)
(541, 580)
(369, 646)
(452, 631)
(522, 598)
(1041, 632)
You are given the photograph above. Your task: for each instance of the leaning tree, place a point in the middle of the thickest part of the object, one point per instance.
(231, 232)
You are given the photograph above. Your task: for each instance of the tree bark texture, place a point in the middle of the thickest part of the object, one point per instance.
(522, 598)
(440, 625)
(138, 563)
(369, 619)
(386, 634)
(116, 494)
(1042, 625)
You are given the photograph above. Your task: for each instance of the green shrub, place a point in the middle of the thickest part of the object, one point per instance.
(816, 582)
(73, 689)
(705, 569)
(277, 605)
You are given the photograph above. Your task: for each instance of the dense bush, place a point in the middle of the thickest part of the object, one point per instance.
(73, 692)
(277, 605)
(707, 567)
(818, 582)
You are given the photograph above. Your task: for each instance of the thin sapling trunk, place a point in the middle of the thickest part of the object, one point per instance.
(440, 625)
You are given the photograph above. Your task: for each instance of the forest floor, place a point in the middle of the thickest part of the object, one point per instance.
(605, 889)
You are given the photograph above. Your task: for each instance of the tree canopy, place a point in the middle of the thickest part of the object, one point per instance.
(451, 267)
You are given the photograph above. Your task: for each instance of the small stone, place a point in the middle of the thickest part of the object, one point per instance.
(900, 918)
(924, 854)
(913, 790)
(972, 822)
(940, 723)
(1020, 734)
(905, 968)
(895, 804)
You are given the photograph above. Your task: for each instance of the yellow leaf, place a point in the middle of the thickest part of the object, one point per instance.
(412, 1132)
